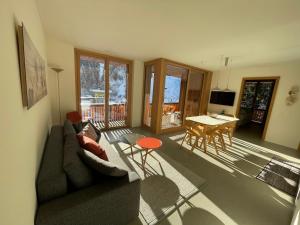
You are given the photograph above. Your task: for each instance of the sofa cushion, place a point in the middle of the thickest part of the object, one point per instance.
(78, 173)
(102, 166)
(78, 126)
(91, 146)
(89, 131)
(52, 180)
(114, 155)
(68, 128)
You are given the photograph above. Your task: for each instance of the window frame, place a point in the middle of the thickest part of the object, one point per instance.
(107, 59)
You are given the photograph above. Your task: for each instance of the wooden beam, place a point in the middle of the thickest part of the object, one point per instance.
(205, 93)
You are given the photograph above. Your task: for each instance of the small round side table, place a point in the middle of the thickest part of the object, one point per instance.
(148, 144)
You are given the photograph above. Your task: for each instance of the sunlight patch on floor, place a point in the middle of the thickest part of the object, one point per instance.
(282, 195)
(267, 150)
(208, 158)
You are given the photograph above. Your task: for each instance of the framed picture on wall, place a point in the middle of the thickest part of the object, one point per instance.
(32, 69)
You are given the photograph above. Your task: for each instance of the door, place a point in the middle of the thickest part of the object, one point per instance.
(118, 94)
(255, 105)
(174, 94)
(103, 89)
(150, 75)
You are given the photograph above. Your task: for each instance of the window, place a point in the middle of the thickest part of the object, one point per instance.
(103, 89)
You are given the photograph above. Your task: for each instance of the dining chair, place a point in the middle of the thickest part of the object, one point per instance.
(228, 129)
(215, 135)
(196, 131)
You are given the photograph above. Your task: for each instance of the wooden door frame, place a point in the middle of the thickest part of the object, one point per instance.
(276, 80)
(157, 65)
(158, 88)
(107, 58)
(205, 93)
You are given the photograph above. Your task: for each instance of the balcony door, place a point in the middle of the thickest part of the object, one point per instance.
(174, 94)
(103, 89)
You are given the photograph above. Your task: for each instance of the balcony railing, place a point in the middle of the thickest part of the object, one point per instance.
(117, 113)
(170, 107)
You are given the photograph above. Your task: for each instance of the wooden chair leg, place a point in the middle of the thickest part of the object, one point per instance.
(190, 139)
(209, 139)
(201, 142)
(223, 142)
(230, 138)
(205, 144)
(183, 140)
(216, 147)
(196, 141)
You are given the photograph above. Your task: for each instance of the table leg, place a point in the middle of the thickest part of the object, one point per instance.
(147, 152)
(142, 157)
(131, 150)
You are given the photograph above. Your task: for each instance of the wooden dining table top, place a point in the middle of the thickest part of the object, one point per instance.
(215, 120)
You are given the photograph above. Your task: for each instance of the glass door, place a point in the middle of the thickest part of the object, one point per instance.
(92, 89)
(118, 94)
(103, 89)
(263, 96)
(149, 87)
(174, 93)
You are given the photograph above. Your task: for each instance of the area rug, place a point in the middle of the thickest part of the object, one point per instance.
(165, 185)
(280, 174)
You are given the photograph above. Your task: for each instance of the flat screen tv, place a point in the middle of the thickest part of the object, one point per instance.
(222, 97)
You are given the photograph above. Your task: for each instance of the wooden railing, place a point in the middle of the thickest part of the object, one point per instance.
(170, 107)
(96, 111)
(116, 112)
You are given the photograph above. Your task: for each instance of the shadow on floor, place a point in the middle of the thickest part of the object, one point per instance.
(196, 216)
(230, 182)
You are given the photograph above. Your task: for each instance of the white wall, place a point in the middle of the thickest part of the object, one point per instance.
(285, 120)
(23, 132)
(62, 54)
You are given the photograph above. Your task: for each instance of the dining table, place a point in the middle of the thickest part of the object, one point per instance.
(214, 121)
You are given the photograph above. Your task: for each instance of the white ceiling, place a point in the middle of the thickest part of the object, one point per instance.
(195, 32)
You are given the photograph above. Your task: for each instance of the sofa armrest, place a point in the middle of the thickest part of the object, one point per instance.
(97, 204)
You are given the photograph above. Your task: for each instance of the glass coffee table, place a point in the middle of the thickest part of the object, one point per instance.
(131, 139)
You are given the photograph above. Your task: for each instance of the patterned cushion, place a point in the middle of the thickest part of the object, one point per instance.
(89, 131)
(102, 166)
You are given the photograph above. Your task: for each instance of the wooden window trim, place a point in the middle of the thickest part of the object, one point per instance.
(158, 86)
(107, 59)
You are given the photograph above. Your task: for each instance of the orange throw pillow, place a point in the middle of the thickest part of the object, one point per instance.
(91, 146)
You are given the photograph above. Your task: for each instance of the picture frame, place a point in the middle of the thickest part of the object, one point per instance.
(32, 70)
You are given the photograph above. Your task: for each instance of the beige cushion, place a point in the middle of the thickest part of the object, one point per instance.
(102, 166)
(89, 131)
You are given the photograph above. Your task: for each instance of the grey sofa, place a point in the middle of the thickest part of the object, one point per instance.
(106, 200)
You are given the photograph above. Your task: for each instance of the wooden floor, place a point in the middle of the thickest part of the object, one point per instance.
(111, 124)
(231, 195)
